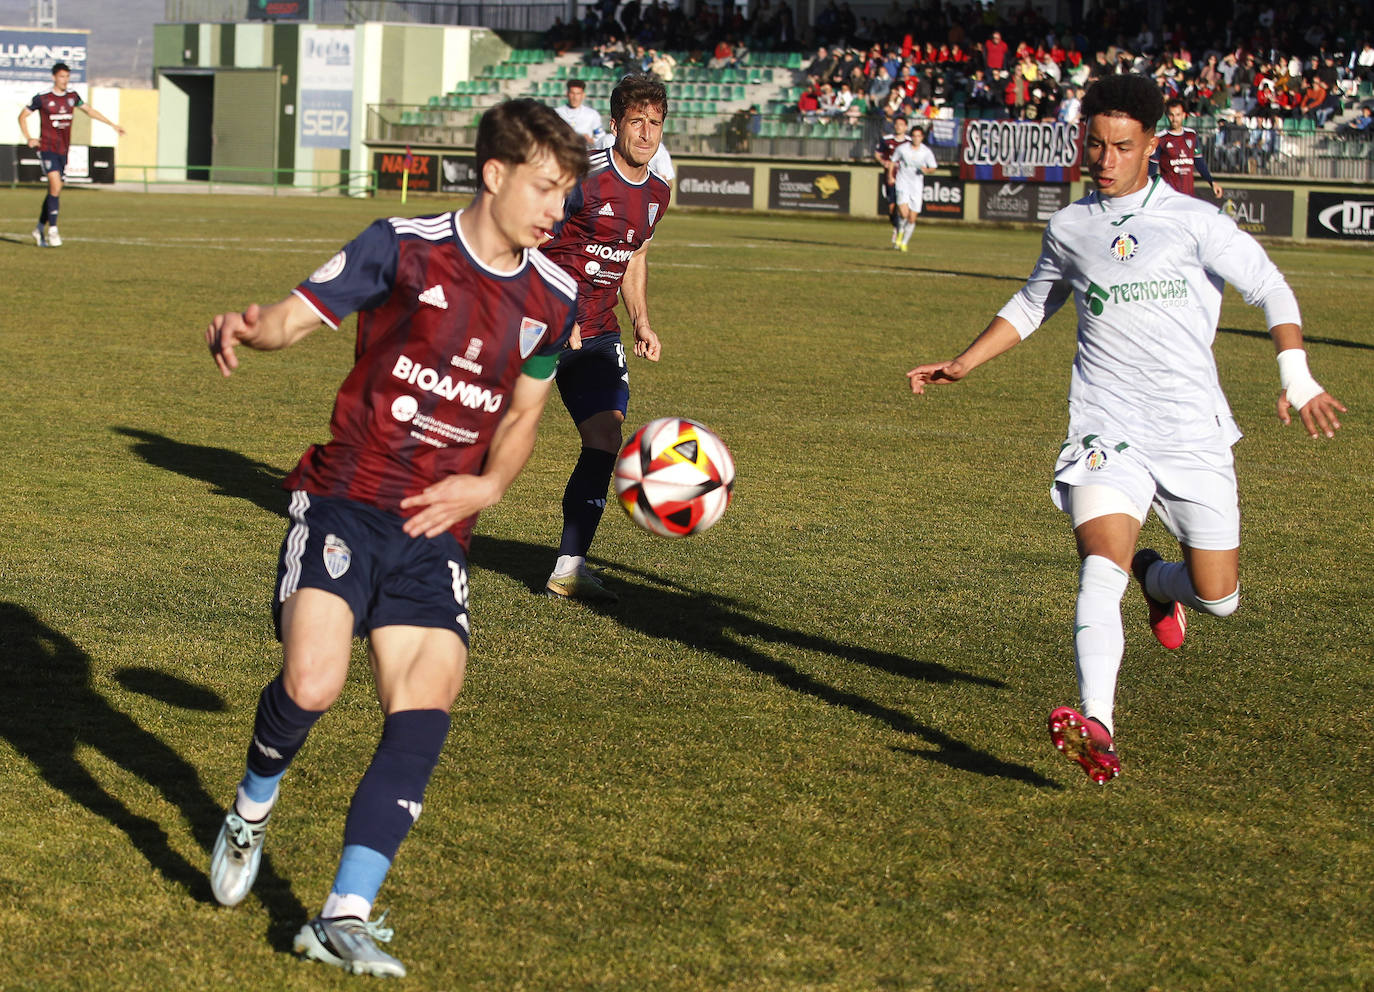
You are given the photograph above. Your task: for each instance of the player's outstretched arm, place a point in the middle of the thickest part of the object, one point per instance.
(1318, 409)
(97, 115)
(634, 290)
(458, 497)
(998, 337)
(262, 328)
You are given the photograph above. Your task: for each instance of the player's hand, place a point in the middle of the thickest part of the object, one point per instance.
(646, 342)
(1319, 416)
(940, 372)
(575, 338)
(33, 142)
(448, 501)
(227, 330)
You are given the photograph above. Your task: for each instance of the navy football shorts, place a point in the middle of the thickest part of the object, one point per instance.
(361, 554)
(52, 162)
(594, 378)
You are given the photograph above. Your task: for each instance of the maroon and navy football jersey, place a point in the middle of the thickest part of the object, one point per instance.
(607, 218)
(886, 145)
(55, 119)
(441, 341)
(1176, 153)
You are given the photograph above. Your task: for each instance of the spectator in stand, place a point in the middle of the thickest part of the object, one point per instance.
(880, 87)
(1017, 97)
(662, 65)
(1070, 110)
(809, 103)
(841, 101)
(995, 53)
(1362, 124)
(1363, 64)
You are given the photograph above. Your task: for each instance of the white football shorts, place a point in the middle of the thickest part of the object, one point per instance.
(1193, 491)
(909, 196)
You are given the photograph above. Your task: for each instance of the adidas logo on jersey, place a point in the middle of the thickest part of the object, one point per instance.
(434, 296)
(605, 211)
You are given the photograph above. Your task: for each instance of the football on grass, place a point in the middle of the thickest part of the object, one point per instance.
(674, 477)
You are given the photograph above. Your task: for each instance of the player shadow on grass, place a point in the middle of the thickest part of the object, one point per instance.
(719, 625)
(1306, 338)
(658, 608)
(51, 711)
(230, 473)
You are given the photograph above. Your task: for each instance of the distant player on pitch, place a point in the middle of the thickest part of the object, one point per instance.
(460, 322)
(912, 161)
(611, 216)
(55, 109)
(1179, 153)
(1149, 427)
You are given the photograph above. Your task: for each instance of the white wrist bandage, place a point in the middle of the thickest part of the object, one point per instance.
(1296, 380)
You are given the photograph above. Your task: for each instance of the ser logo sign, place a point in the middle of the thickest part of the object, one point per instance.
(322, 123)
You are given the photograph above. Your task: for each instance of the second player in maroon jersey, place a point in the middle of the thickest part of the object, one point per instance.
(611, 217)
(55, 110)
(1178, 154)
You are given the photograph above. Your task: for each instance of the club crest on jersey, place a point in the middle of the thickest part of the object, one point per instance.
(1095, 460)
(531, 331)
(330, 269)
(653, 213)
(1124, 247)
(337, 556)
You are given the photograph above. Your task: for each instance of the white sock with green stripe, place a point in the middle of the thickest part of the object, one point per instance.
(1098, 638)
(1169, 582)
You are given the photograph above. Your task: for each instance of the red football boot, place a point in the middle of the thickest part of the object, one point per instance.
(1167, 620)
(1085, 741)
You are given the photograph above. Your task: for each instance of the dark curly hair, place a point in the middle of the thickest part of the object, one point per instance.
(636, 89)
(1126, 95)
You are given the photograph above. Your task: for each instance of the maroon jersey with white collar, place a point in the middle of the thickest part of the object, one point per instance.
(1176, 154)
(607, 218)
(442, 340)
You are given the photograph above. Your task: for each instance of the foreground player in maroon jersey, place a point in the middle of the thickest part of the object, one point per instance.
(55, 109)
(1179, 154)
(611, 216)
(460, 323)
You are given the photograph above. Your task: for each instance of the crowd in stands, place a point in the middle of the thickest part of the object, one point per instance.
(932, 58)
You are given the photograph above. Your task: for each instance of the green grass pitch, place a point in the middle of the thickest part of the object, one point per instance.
(806, 752)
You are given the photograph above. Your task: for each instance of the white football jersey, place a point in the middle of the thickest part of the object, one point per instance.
(1146, 272)
(910, 160)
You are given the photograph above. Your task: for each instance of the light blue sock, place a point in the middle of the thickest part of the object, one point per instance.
(361, 872)
(260, 788)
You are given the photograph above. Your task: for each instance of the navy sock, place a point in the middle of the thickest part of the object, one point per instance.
(49, 215)
(279, 730)
(584, 500)
(388, 799)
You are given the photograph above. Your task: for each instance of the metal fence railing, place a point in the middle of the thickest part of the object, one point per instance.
(1283, 153)
(222, 179)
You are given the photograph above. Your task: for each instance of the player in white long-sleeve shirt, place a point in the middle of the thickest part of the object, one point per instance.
(911, 162)
(1149, 427)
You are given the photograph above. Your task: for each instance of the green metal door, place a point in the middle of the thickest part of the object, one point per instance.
(244, 141)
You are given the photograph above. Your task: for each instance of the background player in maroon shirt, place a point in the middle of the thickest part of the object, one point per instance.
(1179, 152)
(887, 183)
(611, 216)
(55, 109)
(460, 324)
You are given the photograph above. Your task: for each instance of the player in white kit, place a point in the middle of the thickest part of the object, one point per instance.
(912, 161)
(1149, 427)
